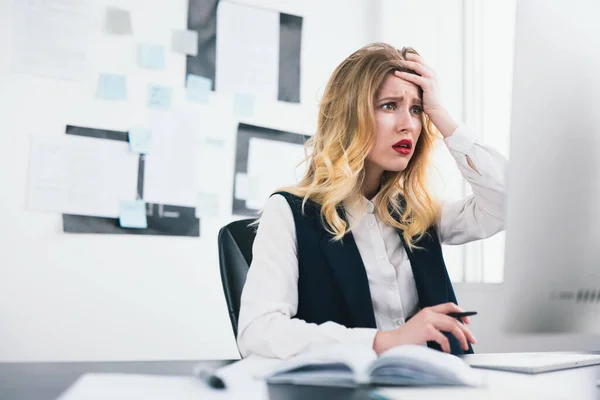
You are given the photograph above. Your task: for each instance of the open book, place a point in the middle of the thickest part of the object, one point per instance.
(346, 365)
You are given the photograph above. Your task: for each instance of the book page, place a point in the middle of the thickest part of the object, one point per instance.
(357, 359)
(413, 365)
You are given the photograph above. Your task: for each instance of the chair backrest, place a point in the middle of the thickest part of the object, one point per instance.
(235, 256)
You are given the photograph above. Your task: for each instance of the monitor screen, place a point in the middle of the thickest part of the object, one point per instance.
(552, 263)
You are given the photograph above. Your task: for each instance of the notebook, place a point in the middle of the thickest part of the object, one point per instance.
(531, 363)
(346, 365)
(459, 393)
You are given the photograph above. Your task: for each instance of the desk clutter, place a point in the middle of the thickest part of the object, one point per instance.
(347, 365)
(153, 387)
(416, 372)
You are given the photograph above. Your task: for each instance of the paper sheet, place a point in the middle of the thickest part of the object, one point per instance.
(51, 38)
(156, 387)
(78, 175)
(243, 105)
(250, 34)
(458, 393)
(208, 205)
(255, 198)
(185, 42)
(170, 175)
(118, 21)
(241, 186)
(279, 169)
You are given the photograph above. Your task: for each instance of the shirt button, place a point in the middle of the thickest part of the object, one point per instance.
(381, 257)
(399, 321)
(370, 207)
(372, 224)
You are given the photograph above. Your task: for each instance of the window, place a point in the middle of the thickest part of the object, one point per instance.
(469, 43)
(488, 58)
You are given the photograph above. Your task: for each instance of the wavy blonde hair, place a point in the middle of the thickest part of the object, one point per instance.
(344, 137)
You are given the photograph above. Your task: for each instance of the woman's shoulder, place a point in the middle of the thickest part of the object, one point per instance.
(276, 203)
(293, 202)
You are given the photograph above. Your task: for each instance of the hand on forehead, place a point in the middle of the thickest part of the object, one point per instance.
(394, 86)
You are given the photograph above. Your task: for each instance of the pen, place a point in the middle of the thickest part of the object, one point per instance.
(462, 314)
(207, 375)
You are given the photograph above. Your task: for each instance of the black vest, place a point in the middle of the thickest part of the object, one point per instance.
(333, 284)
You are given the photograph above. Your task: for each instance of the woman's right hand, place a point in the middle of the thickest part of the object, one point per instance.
(427, 325)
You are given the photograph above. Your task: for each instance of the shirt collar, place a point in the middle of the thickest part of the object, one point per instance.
(357, 208)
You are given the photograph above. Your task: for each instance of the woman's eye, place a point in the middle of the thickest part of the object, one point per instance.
(389, 106)
(416, 109)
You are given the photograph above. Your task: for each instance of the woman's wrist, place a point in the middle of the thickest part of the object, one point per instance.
(443, 121)
(382, 341)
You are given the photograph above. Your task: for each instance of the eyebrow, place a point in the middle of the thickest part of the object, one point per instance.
(399, 98)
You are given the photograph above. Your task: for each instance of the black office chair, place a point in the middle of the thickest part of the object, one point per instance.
(235, 255)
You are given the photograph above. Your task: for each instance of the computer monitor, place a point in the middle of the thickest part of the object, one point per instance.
(552, 260)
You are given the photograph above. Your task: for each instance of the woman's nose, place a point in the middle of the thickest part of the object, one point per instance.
(404, 120)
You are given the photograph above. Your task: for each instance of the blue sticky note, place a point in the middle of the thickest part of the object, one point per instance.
(243, 105)
(133, 214)
(151, 56)
(198, 88)
(112, 87)
(159, 97)
(140, 140)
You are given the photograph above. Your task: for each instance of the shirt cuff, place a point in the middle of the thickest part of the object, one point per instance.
(462, 140)
(362, 336)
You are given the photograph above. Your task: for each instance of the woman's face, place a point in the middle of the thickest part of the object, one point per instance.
(398, 125)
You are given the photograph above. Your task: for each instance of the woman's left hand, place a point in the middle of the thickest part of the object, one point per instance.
(427, 81)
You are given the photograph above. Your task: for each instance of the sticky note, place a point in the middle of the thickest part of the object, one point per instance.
(151, 56)
(140, 140)
(159, 97)
(197, 88)
(243, 105)
(133, 214)
(185, 42)
(112, 87)
(207, 205)
(118, 21)
(215, 142)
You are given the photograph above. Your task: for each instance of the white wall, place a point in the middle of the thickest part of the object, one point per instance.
(104, 297)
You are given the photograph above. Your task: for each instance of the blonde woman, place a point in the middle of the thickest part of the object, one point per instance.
(352, 254)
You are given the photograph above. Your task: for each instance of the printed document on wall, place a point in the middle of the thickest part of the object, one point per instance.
(274, 164)
(82, 176)
(51, 38)
(247, 51)
(170, 175)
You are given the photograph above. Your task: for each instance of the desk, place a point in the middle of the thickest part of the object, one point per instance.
(45, 381)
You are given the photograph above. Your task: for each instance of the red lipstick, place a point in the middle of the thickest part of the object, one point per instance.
(404, 146)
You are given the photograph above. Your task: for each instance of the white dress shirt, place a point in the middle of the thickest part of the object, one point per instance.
(270, 295)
